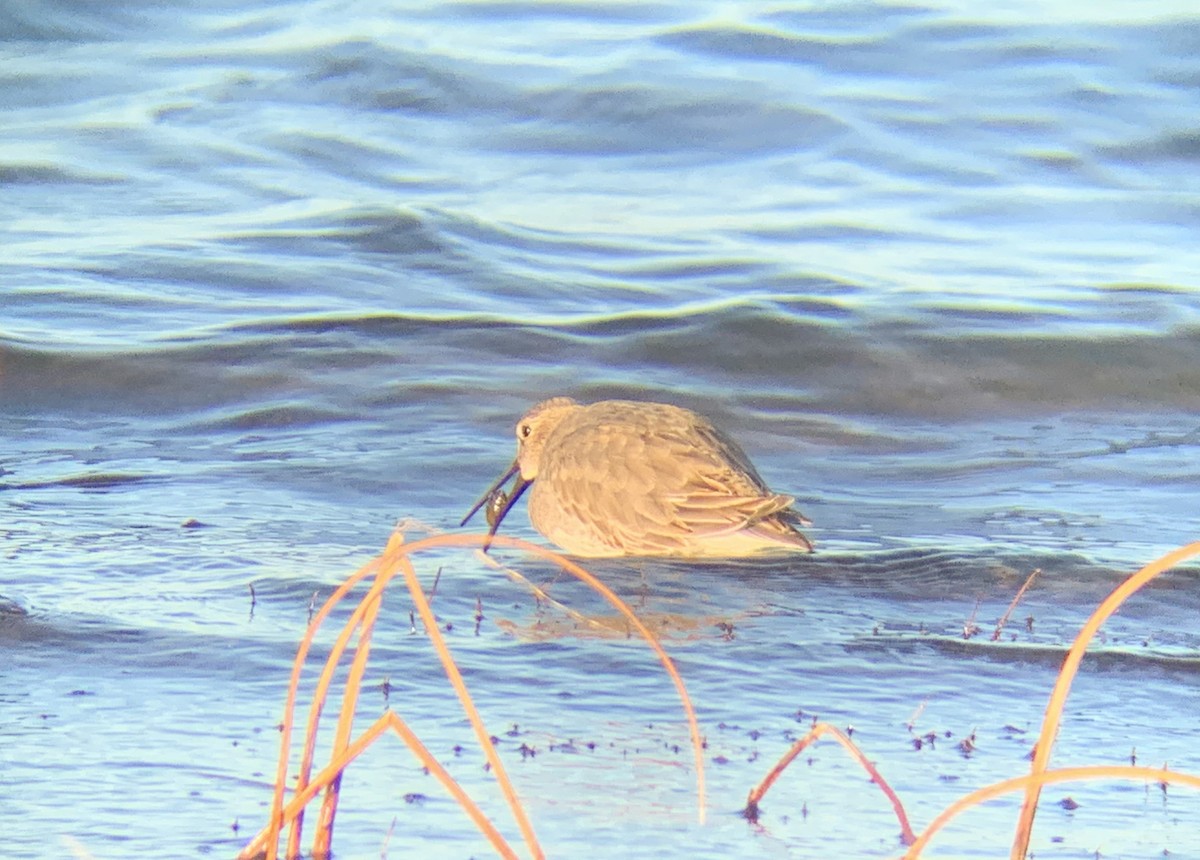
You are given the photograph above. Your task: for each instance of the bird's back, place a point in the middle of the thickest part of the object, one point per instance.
(629, 478)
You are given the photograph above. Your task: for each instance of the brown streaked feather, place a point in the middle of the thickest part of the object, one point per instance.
(628, 478)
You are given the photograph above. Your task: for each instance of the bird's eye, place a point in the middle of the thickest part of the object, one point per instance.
(525, 431)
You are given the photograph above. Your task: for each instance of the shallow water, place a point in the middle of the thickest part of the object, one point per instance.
(277, 276)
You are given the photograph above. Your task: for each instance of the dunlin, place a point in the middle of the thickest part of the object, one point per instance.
(625, 478)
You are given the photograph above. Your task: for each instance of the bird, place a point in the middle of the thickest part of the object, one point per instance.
(631, 478)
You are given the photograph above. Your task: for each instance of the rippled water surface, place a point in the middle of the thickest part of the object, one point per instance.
(277, 276)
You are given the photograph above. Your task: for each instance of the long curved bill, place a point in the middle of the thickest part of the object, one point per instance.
(497, 502)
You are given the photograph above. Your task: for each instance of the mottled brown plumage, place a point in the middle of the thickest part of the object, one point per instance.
(626, 478)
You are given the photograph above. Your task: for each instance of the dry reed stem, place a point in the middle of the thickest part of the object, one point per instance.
(617, 603)
(364, 616)
(540, 593)
(322, 841)
(1066, 675)
(443, 776)
(756, 794)
(383, 576)
(287, 724)
(396, 555)
(389, 720)
(464, 697)
(652, 640)
(270, 836)
(596, 585)
(1036, 781)
(1012, 606)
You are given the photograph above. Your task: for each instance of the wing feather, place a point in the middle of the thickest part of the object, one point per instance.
(651, 481)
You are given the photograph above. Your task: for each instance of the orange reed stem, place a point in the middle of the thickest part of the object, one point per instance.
(383, 575)
(323, 839)
(464, 696)
(476, 540)
(759, 791)
(1012, 606)
(287, 724)
(1036, 781)
(1066, 675)
(667, 663)
(396, 555)
(389, 720)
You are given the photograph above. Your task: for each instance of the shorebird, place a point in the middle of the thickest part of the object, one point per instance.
(626, 478)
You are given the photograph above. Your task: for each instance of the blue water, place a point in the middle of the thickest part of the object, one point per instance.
(276, 276)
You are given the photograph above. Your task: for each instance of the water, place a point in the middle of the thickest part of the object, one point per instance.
(277, 276)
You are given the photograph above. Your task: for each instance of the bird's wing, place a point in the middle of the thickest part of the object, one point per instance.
(656, 487)
(605, 477)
